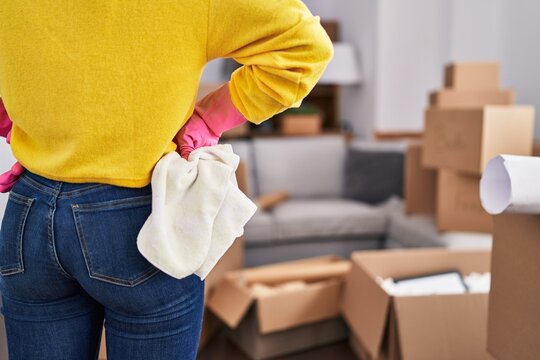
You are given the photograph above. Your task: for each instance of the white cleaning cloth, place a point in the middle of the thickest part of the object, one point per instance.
(197, 211)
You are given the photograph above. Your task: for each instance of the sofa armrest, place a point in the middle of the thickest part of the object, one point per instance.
(268, 201)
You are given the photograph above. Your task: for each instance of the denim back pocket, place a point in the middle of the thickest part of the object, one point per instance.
(12, 233)
(108, 236)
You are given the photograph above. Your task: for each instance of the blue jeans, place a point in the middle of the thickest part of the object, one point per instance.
(69, 263)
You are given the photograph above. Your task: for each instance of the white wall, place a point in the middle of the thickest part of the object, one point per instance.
(415, 39)
(403, 46)
(475, 30)
(326, 9)
(358, 19)
(520, 51)
(410, 50)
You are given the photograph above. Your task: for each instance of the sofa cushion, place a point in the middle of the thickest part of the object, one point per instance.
(304, 166)
(421, 231)
(260, 227)
(373, 176)
(262, 253)
(308, 218)
(378, 146)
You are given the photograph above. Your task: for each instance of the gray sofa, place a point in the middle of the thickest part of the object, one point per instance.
(317, 219)
(421, 231)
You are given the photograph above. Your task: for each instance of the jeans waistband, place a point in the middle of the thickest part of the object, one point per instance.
(50, 185)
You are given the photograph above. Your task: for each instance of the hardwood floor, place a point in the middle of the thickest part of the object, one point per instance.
(221, 348)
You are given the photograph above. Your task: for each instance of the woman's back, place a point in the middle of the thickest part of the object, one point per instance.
(97, 90)
(99, 87)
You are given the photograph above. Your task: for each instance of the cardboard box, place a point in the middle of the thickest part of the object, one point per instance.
(514, 314)
(458, 203)
(472, 76)
(277, 314)
(102, 349)
(442, 327)
(448, 98)
(210, 326)
(301, 124)
(420, 182)
(242, 176)
(240, 130)
(258, 346)
(360, 351)
(536, 148)
(466, 139)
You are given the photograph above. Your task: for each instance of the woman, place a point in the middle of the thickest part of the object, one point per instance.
(98, 92)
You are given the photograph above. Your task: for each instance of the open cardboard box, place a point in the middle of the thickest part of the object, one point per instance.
(285, 318)
(415, 327)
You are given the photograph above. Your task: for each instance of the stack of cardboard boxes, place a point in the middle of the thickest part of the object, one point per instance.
(467, 123)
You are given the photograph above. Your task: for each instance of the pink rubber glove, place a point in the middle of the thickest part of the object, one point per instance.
(10, 177)
(213, 115)
(5, 122)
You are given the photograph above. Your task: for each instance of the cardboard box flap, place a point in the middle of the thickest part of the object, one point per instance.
(230, 302)
(365, 306)
(314, 302)
(412, 262)
(422, 320)
(306, 272)
(285, 265)
(392, 347)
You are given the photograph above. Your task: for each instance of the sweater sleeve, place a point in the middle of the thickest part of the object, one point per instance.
(282, 47)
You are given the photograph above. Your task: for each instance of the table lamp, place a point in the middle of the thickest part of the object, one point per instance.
(343, 68)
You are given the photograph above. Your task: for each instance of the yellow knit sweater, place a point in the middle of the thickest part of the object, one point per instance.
(97, 90)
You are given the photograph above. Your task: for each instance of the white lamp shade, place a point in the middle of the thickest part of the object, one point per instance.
(343, 68)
